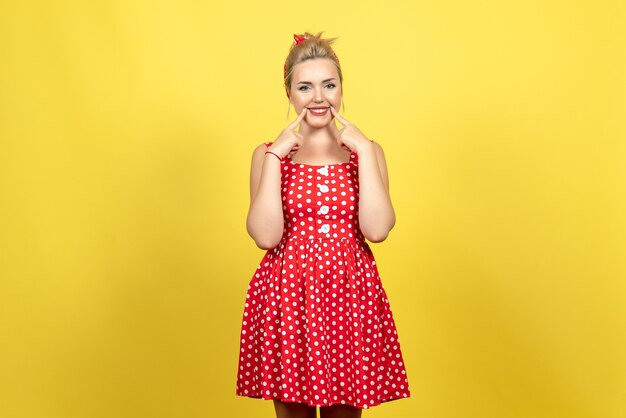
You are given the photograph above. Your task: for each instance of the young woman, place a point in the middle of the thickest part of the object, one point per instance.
(317, 327)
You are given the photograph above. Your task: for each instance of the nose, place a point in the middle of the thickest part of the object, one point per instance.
(318, 96)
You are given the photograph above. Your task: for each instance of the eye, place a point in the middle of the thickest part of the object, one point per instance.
(332, 86)
(302, 87)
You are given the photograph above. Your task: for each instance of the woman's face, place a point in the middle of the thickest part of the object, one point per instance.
(315, 83)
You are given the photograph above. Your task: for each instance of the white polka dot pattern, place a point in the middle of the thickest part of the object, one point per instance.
(317, 326)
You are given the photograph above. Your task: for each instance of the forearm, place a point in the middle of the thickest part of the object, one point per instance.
(376, 214)
(265, 216)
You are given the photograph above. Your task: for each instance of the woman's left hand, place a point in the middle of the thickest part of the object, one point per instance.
(349, 136)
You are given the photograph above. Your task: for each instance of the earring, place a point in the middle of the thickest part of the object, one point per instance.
(343, 105)
(288, 108)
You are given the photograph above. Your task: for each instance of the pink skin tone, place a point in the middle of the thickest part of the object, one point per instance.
(315, 83)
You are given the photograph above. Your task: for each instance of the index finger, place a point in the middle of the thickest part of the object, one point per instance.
(340, 118)
(295, 123)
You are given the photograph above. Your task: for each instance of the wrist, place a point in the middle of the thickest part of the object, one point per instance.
(365, 146)
(273, 155)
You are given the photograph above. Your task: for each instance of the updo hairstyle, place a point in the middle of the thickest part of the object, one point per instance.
(312, 47)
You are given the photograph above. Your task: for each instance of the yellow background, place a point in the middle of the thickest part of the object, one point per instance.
(126, 131)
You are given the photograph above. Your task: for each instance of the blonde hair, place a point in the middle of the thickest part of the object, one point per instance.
(312, 47)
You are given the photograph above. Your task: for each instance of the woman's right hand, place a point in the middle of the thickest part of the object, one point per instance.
(289, 139)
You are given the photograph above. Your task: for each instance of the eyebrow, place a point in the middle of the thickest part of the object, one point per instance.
(308, 82)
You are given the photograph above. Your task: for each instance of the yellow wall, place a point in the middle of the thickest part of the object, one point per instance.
(126, 130)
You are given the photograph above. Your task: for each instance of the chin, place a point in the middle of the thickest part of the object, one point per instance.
(319, 123)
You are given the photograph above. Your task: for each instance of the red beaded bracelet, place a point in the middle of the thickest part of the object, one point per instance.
(274, 154)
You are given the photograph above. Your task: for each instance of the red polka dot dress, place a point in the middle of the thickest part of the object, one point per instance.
(317, 327)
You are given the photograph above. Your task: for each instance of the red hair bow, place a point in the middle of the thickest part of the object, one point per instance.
(298, 39)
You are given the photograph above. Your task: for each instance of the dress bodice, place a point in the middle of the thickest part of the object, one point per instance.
(321, 201)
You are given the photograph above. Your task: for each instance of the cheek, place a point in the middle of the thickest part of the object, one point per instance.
(299, 102)
(335, 95)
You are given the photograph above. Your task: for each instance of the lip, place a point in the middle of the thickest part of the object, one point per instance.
(319, 113)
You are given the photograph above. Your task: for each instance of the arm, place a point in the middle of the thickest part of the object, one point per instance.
(265, 215)
(376, 213)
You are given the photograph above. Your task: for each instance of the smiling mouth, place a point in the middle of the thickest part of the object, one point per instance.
(320, 111)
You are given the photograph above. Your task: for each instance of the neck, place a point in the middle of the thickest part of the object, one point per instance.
(324, 135)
